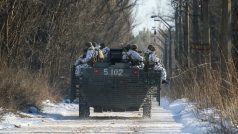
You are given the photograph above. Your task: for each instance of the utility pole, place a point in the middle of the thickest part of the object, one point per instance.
(168, 47)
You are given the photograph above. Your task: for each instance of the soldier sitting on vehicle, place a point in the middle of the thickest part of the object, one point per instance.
(135, 59)
(87, 60)
(77, 62)
(96, 48)
(152, 61)
(126, 52)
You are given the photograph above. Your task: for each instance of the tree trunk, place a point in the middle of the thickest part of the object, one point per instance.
(187, 36)
(176, 35)
(195, 34)
(235, 32)
(206, 34)
(225, 45)
(180, 26)
(215, 14)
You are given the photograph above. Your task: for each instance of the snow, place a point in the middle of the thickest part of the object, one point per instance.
(179, 116)
(186, 113)
(50, 111)
(60, 110)
(11, 120)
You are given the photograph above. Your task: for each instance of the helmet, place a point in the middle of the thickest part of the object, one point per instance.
(94, 44)
(102, 45)
(151, 48)
(89, 44)
(128, 47)
(134, 47)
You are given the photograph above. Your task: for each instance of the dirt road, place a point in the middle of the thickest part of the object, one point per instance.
(162, 121)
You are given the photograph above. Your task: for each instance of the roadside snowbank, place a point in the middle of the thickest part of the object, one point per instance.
(50, 111)
(198, 120)
(59, 110)
(11, 120)
(186, 113)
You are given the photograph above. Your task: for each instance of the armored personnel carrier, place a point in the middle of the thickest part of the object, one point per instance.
(116, 86)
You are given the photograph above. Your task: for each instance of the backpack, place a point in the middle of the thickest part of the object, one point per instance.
(100, 55)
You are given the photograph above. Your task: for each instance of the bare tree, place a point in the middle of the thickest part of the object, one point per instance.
(48, 35)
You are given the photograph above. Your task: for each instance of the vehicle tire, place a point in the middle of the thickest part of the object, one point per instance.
(158, 95)
(84, 111)
(73, 85)
(147, 107)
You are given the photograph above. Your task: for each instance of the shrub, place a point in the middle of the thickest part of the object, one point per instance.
(204, 86)
(19, 88)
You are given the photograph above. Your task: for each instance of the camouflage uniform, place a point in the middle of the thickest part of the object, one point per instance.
(106, 51)
(125, 55)
(83, 62)
(134, 58)
(155, 62)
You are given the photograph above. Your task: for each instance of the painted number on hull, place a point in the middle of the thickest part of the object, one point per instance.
(113, 72)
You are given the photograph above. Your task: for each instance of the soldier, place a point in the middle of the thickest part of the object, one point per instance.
(87, 60)
(77, 62)
(135, 58)
(154, 62)
(126, 52)
(96, 48)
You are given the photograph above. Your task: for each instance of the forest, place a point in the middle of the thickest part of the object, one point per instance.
(41, 39)
(205, 54)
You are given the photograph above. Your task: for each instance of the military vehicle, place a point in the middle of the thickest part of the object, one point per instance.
(114, 85)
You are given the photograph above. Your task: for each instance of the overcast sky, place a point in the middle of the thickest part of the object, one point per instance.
(145, 9)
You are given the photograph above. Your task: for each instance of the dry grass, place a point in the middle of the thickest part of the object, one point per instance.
(204, 87)
(19, 88)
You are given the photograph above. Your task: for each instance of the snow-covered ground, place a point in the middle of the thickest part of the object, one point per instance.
(187, 114)
(172, 117)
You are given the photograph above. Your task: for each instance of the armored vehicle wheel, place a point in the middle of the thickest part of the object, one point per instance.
(158, 95)
(84, 110)
(73, 85)
(72, 93)
(147, 107)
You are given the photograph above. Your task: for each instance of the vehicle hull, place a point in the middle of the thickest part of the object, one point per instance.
(108, 92)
